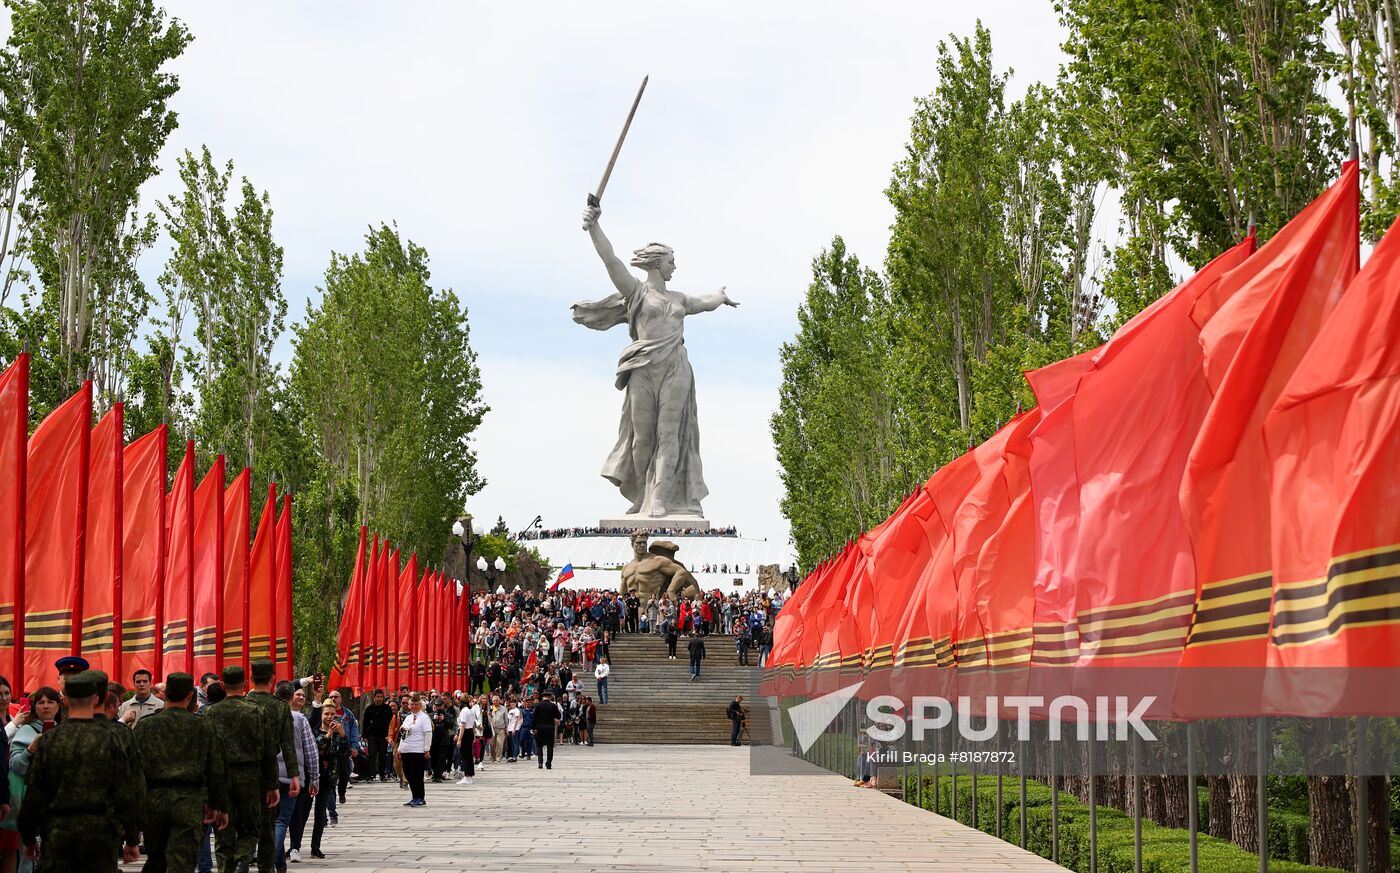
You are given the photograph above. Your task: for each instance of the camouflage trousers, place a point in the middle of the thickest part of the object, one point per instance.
(79, 844)
(174, 827)
(239, 841)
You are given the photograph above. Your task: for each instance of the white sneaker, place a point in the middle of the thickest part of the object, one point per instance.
(294, 856)
(466, 780)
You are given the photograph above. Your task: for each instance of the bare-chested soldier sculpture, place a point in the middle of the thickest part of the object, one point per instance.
(656, 461)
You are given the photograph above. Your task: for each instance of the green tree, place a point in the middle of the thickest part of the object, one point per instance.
(90, 108)
(385, 373)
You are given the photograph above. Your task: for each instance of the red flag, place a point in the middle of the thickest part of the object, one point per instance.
(382, 597)
(347, 669)
(143, 550)
(423, 632)
(177, 643)
(440, 623)
(1275, 304)
(369, 642)
(1333, 447)
(407, 624)
(283, 610)
(207, 614)
(262, 581)
(238, 501)
(1135, 413)
(531, 665)
(389, 631)
(1055, 507)
(14, 436)
(102, 577)
(57, 478)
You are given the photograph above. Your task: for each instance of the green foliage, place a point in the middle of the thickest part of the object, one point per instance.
(390, 390)
(86, 104)
(1165, 850)
(986, 276)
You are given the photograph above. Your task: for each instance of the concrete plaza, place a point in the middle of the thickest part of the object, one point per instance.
(650, 808)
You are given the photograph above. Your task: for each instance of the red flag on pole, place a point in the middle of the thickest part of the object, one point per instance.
(55, 522)
(1252, 343)
(177, 638)
(283, 609)
(143, 550)
(347, 669)
(1333, 446)
(422, 634)
(237, 514)
(407, 623)
(102, 577)
(1055, 505)
(207, 614)
(14, 438)
(1136, 411)
(262, 581)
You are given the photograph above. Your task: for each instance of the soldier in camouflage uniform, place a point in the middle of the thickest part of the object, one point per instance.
(85, 791)
(278, 718)
(186, 783)
(251, 758)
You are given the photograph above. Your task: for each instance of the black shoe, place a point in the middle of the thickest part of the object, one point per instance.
(541, 767)
(240, 867)
(318, 854)
(549, 766)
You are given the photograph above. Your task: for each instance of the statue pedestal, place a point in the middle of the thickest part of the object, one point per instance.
(643, 522)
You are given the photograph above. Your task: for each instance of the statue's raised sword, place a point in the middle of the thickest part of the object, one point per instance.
(597, 198)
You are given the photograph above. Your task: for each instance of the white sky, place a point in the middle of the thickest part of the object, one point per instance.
(767, 128)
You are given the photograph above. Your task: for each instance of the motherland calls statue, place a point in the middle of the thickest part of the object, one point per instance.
(655, 571)
(656, 461)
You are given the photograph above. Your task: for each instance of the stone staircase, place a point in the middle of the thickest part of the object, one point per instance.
(652, 700)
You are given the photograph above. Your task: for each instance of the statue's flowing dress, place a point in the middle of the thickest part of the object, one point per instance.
(656, 460)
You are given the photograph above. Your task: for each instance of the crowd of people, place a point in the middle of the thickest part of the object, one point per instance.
(235, 767)
(558, 533)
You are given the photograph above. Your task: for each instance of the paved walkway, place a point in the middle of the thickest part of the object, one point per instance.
(622, 808)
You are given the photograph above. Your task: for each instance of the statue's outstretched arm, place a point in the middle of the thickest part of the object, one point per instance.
(707, 302)
(624, 281)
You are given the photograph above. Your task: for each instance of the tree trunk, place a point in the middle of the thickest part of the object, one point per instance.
(1244, 815)
(1218, 788)
(1179, 796)
(1330, 842)
(1378, 790)
(1155, 799)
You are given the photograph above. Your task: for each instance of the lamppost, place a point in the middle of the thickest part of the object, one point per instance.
(468, 533)
(491, 570)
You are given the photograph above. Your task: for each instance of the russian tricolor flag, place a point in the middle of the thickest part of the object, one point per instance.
(564, 576)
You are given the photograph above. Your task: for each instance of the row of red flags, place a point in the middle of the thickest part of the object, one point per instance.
(1216, 486)
(91, 541)
(398, 627)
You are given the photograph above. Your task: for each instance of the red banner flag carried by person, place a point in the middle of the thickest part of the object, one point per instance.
(347, 669)
(440, 620)
(1332, 441)
(283, 611)
(55, 525)
(207, 614)
(262, 581)
(177, 639)
(143, 551)
(1274, 307)
(14, 437)
(407, 624)
(102, 576)
(1141, 401)
(238, 509)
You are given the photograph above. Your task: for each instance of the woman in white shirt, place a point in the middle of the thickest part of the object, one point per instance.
(413, 748)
